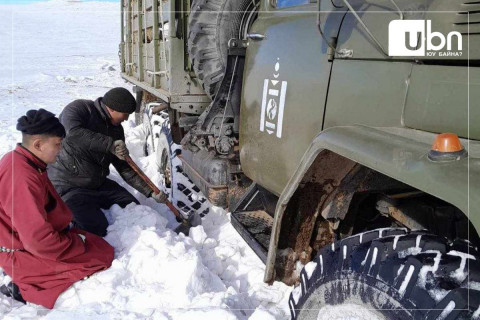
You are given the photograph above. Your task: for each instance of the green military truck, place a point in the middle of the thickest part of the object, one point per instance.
(329, 129)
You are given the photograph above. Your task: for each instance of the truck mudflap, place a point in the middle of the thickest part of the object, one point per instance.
(400, 153)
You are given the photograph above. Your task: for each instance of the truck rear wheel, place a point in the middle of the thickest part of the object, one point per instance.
(390, 274)
(211, 24)
(140, 106)
(163, 156)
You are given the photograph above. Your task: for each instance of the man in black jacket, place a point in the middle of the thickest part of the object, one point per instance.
(94, 140)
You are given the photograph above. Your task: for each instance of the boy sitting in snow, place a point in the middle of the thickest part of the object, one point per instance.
(38, 250)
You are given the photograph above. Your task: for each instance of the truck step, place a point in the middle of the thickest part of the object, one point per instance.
(255, 228)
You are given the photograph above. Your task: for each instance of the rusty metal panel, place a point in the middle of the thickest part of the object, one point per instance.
(216, 194)
(321, 180)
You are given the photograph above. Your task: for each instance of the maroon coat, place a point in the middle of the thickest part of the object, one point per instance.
(33, 218)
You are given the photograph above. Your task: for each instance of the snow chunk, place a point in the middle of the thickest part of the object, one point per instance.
(346, 311)
(406, 281)
(438, 294)
(426, 269)
(472, 285)
(198, 235)
(309, 268)
(460, 273)
(409, 252)
(476, 314)
(297, 293)
(261, 314)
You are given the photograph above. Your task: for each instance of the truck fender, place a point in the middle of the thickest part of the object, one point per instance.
(399, 153)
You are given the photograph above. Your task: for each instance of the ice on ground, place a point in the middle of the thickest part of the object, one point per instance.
(310, 268)
(262, 314)
(59, 51)
(212, 274)
(347, 311)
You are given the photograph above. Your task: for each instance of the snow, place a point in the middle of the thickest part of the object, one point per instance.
(417, 242)
(476, 314)
(448, 309)
(406, 281)
(347, 311)
(438, 294)
(426, 269)
(321, 264)
(460, 273)
(409, 252)
(310, 268)
(366, 257)
(395, 241)
(374, 257)
(472, 285)
(297, 293)
(262, 314)
(400, 269)
(59, 51)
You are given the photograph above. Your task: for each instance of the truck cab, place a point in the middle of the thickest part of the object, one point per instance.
(328, 129)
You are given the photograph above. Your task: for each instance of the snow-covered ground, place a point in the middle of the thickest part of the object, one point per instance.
(58, 51)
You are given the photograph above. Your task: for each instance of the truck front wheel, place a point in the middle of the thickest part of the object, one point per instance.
(390, 274)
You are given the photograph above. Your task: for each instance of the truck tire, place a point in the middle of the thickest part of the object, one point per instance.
(140, 107)
(212, 23)
(163, 155)
(390, 274)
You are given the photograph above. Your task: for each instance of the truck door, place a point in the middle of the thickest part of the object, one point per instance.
(285, 86)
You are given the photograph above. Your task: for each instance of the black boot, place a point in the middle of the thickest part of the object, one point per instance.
(11, 290)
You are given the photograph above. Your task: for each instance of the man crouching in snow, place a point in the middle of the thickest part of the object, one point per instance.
(38, 250)
(95, 139)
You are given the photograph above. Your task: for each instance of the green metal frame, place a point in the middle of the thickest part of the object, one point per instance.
(152, 62)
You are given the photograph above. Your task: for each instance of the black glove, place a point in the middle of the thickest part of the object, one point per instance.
(119, 149)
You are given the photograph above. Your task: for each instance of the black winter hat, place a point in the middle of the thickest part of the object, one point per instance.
(40, 121)
(120, 99)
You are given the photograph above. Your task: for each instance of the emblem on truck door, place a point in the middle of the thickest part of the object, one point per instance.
(273, 103)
